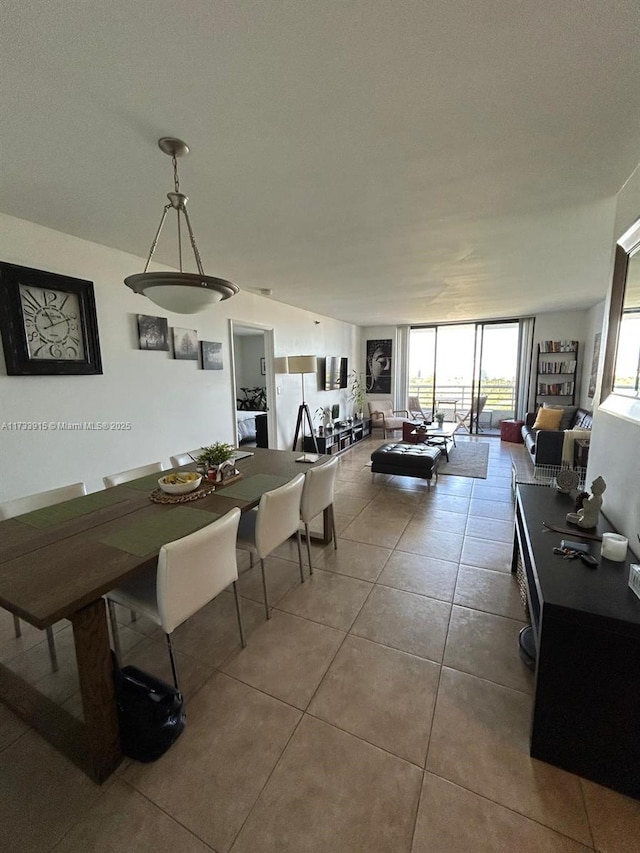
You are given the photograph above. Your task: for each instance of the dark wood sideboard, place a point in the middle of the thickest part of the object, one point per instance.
(586, 625)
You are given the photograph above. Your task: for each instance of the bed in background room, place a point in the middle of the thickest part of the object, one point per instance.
(246, 425)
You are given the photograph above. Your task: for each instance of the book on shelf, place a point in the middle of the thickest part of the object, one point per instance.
(557, 367)
(555, 389)
(558, 346)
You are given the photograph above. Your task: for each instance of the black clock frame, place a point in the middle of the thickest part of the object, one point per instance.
(14, 338)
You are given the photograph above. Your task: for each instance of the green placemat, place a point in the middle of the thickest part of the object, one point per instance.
(146, 484)
(48, 516)
(253, 487)
(150, 535)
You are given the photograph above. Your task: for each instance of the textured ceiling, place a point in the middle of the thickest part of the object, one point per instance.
(377, 162)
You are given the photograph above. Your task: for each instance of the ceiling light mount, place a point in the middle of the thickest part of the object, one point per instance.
(181, 292)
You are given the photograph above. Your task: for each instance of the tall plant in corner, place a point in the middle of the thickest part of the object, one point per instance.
(357, 392)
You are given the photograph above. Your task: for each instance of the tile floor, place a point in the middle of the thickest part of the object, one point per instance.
(383, 708)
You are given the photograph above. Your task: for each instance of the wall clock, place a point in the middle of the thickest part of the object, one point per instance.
(48, 323)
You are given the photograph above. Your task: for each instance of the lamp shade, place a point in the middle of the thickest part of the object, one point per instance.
(182, 293)
(302, 364)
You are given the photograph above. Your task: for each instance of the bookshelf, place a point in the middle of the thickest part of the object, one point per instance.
(556, 371)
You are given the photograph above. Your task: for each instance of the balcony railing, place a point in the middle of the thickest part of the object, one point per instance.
(501, 397)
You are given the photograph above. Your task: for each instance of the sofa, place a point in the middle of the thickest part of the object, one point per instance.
(545, 445)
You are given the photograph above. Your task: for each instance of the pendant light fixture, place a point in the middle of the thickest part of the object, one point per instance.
(181, 292)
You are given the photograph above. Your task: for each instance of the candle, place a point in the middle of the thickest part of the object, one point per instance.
(614, 547)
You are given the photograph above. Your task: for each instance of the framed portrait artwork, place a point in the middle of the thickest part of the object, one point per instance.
(211, 355)
(48, 323)
(378, 377)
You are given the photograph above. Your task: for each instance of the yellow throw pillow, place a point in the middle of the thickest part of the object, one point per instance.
(548, 419)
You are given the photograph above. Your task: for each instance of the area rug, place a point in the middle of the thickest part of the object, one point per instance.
(466, 459)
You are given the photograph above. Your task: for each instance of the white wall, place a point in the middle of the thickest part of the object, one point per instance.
(615, 444)
(171, 405)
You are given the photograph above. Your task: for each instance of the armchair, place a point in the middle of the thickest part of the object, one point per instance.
(384, 415)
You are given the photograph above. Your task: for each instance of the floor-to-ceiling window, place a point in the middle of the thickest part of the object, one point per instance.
(466, 371)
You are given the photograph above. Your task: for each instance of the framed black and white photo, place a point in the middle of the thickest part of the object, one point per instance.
(379, 366)
(153, 332)
(185, 344)
(211, 355)
(263, 368)
(48, 323)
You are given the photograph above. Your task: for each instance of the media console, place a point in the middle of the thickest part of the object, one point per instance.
(340, 437)
(586, 625)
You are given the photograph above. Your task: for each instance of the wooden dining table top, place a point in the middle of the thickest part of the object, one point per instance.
(48, 574)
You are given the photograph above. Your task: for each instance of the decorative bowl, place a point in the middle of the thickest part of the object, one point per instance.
(180, 483)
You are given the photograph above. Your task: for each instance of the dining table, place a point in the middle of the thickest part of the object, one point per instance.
(58, 562)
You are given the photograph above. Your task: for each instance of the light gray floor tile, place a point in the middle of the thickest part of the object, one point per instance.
(455, 820)
(360, 694)
(402, 620)
(480, 740)
(211, 777)
(333, 792)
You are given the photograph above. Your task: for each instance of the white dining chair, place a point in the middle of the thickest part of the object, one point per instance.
(276, 519)
(190, 573)
(132, 474)
(181, 459)
(317, 495)
(20, 506)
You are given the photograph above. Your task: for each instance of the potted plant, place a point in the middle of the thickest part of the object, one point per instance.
(357, 392)
(215, 459)
(323, 413)
(440, 418)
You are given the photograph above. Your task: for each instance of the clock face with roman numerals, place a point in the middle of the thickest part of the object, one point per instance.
(52, 323)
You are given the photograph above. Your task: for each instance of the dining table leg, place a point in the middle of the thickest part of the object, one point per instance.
(95, 671)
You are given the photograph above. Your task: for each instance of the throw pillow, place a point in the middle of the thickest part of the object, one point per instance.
(548, 419)
(567, 413)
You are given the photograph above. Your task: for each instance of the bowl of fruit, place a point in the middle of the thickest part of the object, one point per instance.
(180, 482)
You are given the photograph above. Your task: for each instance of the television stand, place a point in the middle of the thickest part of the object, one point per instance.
(340, 438)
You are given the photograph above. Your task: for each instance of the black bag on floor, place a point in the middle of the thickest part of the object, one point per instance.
(150, 713)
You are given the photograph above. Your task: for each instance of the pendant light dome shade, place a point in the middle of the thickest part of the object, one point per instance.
(182, 293)
(178, 291)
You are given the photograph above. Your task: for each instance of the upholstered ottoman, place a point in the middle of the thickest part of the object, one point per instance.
(406, 460)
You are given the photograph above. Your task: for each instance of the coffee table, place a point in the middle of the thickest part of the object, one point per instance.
(436, 436)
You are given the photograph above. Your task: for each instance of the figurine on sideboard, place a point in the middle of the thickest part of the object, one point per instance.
(587, 517)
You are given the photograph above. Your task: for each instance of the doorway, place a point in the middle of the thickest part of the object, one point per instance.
(467, 372)
(252, 384)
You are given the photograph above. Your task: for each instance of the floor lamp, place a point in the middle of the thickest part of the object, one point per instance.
(304, 364)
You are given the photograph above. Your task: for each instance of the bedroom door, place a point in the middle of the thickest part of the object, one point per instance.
(252, 384)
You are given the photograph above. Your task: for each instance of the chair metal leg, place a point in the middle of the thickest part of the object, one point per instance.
(134, 616)
(250, 559)
(333, 528)
(300, 554)
(239, 615)
(308, 538)
(16, 626)
(52, 649)
(114, 631)
(173, 663)
(264, 587)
